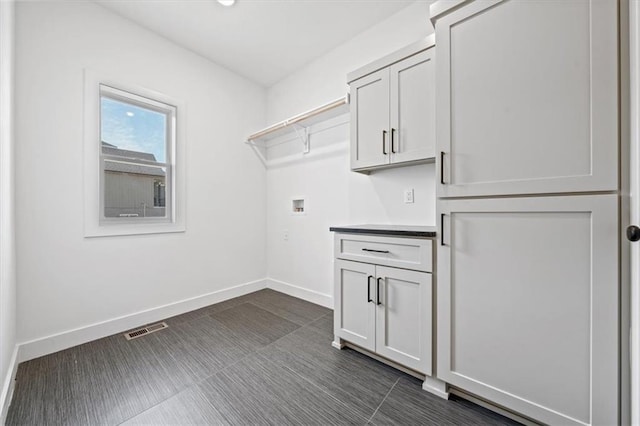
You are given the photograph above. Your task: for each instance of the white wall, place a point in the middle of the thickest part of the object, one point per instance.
(68, 281)
(7, 236)
(335, 195)
(325, 78)
(634, 273)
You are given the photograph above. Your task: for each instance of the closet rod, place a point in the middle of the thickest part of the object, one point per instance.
(301, 117)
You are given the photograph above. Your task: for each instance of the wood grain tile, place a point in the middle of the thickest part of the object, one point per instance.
(44, 390)
(258, 391)
(112, 379)
(202, 346)
(253, 326)
(189, 407)
(407, 404)
(355, 379)
(324, 326)
(230, 363)
(97, 383)
(295, 310)
(207, 310)
(122, 380)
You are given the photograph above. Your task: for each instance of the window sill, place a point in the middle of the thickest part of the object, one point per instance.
(114, 230)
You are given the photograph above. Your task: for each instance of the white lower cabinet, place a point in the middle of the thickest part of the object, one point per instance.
(528, 305)
(403, 317)
(385, 310)
(355, 309)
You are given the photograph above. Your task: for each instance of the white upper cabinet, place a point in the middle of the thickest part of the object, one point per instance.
(413, 114)
(527, 97)
(393, 109)
(370, 120)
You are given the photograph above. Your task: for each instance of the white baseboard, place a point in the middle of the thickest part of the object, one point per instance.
(436, 387)
(60, 341)
(57, 342)
(8, 385)
(321, 299)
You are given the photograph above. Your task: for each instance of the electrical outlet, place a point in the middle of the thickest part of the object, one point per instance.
(408, 196)
(285, 235)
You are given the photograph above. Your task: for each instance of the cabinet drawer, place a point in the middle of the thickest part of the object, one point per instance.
(408, 253)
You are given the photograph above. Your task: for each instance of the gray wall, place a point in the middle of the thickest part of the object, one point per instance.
(127, 193)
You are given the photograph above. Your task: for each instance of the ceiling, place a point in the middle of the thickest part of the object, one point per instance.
(263, 40)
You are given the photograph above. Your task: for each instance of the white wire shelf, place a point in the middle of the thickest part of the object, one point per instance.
(302, 121)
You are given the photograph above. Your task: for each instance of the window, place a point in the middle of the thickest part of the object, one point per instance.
(134, 162)
(136, 140)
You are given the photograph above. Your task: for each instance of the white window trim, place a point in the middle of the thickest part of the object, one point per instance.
(94, 226)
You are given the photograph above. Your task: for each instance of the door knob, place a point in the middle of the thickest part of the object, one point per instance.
(633, 233)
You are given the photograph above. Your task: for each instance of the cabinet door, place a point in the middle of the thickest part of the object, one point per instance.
(355, 309)
(370, 120)
(528, 305)
(403, 317)
(527, 97)
(412, 107)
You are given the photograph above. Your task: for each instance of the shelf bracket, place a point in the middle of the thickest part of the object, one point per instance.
(303, 134)
(256, 148)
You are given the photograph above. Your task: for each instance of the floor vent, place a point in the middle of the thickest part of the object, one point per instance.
(145, 330)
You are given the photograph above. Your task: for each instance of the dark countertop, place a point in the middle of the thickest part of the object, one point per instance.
(391, 230)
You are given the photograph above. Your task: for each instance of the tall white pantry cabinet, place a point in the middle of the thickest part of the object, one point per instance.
(528, 197)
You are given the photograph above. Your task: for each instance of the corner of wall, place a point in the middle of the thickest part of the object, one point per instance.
(6, 394)
(318, 298)
(8, 347)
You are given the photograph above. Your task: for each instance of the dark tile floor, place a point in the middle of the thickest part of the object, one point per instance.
(263, 358)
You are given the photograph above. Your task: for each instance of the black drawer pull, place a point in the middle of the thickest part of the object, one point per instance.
(369, 299)
(384, 142)
(393, 145)
(378, 302)
(375, 251)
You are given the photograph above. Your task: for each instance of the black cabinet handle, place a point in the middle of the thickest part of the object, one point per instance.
(442, 167)
(375, 251)
(393, 149)
(633, 233)
(384, 142)
(369, 299)
(378, 292)
(442, 229)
